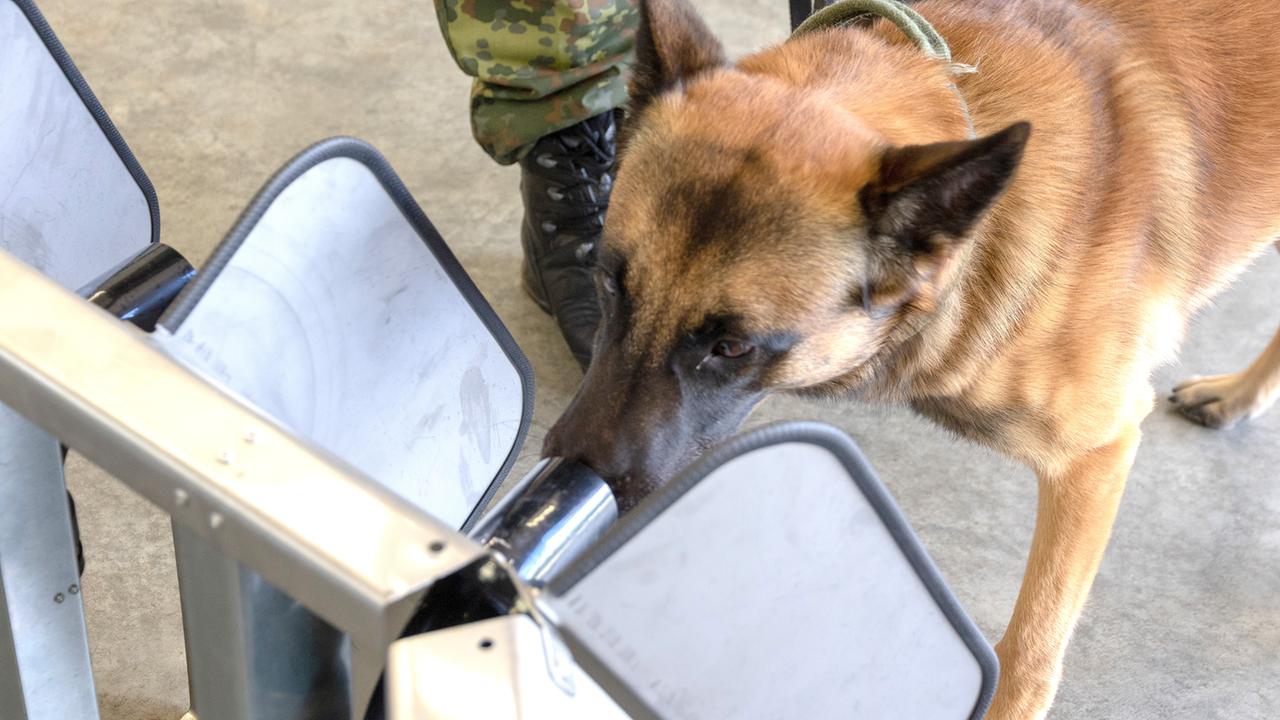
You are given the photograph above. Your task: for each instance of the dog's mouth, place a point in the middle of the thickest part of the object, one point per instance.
(638, 483)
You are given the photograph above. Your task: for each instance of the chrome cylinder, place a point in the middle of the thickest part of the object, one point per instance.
(556, 512)
(140, 289)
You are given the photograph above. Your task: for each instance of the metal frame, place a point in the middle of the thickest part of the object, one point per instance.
(252, 651)
(44, 651)
(350, 551)
(10, 679)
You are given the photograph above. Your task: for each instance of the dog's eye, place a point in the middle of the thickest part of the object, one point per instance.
(731, 348)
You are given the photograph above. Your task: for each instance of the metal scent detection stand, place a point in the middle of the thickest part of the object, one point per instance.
(326, 409)
(636, 625)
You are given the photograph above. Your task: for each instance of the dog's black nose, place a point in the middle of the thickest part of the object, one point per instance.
(597, 450)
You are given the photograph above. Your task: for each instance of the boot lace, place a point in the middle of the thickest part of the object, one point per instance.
(585, 156)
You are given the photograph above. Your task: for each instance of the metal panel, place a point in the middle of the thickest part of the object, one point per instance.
(336, 308)
(490, 670)
(355, 554)
(39, 582)
(73, 201)
(783, 552)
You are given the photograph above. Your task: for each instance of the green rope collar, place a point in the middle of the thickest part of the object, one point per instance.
(911, 23)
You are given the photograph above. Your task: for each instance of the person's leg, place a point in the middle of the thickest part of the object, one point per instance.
(549, 74)
(540, 65)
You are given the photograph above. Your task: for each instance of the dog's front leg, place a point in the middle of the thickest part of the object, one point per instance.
(1077, 507)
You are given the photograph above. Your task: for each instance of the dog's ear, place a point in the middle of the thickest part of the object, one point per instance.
(928, 196)
(672, 46)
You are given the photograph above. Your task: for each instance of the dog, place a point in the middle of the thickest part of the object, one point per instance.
(816, 219)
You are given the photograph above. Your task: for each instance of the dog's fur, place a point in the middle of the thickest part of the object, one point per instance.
(813, 219)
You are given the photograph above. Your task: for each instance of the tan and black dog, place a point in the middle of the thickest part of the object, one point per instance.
(813, 219)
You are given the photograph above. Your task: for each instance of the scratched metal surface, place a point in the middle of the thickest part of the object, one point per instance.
(824, 617)
(334, 317)
(71, 209)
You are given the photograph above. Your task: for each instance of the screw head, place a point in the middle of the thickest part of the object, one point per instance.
(436, 547)
(74, 589)
(59, 598)
(226, 457)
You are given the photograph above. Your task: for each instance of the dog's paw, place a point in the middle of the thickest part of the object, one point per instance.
(1218, 402)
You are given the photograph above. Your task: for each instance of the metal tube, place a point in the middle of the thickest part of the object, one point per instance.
(140, 289)
(556, 512)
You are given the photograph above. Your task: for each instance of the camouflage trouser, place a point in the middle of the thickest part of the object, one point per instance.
(539, 65)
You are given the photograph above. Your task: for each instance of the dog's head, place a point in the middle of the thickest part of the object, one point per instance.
(761, 237)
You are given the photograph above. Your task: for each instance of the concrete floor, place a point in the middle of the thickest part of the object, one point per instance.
(1184, 621)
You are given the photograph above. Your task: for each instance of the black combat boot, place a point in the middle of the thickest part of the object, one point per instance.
(565, 181)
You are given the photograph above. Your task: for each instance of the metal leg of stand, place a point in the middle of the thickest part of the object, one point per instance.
(293, 667)
(44, 649)
(12, 704)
